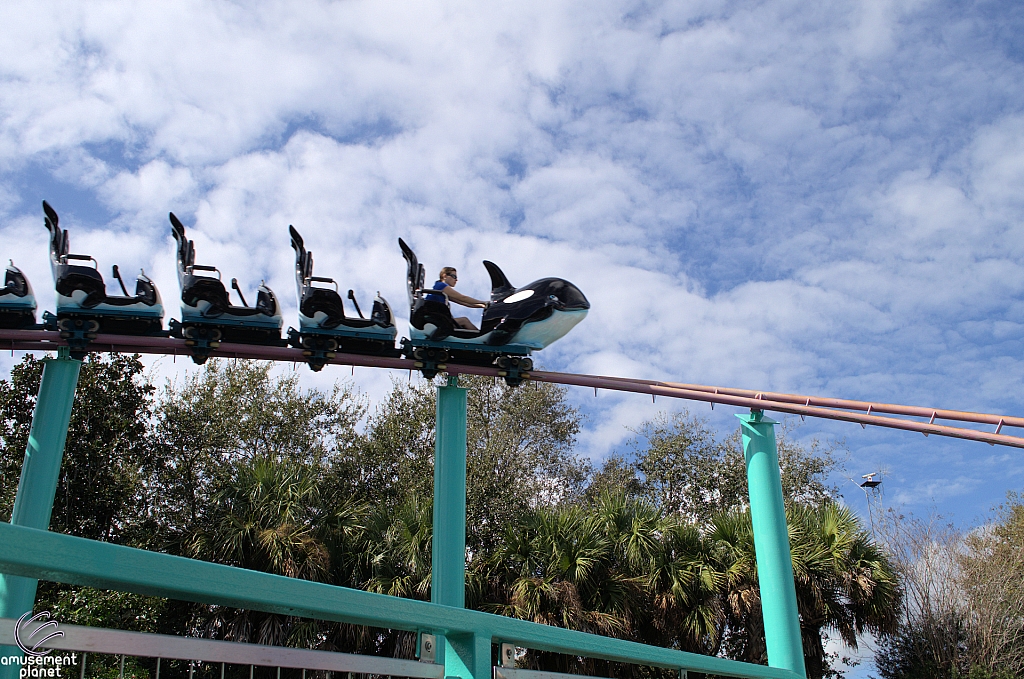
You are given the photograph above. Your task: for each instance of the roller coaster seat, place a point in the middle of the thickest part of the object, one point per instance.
(212, 291)
(329, 303)
(428, 312)
(72, 278)
(17, 303)
(15, 283)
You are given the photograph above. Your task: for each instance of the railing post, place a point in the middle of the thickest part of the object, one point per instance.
(33, 503)
(771, 542)
(448, 565)
(464, 656)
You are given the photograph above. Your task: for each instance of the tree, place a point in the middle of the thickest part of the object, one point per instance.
(680, 461)
(518, 452)
(395, 555)
(805, 469)
(679, 569)
(235, 410)
(682, 466)
(558, 567)
(100, 488)
(964, 610)
(616, 566)
(395, 457)
(273, 515)
(740, 627)
(239, 465)
(992, 575)
(931, 639)
(258, 482)
(99, 484)
(616, 475)
(844, 583)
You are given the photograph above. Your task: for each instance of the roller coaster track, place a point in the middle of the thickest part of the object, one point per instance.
(861, 412)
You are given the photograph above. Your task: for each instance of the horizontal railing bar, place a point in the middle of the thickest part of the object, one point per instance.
(146, 645)
(78, 561)
(517, 673)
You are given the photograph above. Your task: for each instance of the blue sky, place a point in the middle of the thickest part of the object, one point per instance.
(814, 197)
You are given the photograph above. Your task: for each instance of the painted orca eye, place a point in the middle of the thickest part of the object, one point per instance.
(518, 297)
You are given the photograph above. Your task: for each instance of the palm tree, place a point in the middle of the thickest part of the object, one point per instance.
(395, 554)
(558, 567)
(392, 556)
(740, 630)
(273, 516)
(844, 583)
(617, 568)
(677, 603)
(684, 582)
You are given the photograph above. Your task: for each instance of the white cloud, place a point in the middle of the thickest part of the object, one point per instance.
(783, 195)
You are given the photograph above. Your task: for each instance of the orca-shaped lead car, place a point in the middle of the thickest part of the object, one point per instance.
(516, 322)
(324, 328)
(84, 308)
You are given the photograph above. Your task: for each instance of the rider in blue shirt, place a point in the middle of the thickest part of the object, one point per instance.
(446, 293)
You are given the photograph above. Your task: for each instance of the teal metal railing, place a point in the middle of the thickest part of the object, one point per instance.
(465, 637)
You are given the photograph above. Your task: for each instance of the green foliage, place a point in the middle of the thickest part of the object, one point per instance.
(616, 475)
(232, 411)
(103, 608)
(964, 611)
(395, 455)
(845, 584)
(98, 491)
(623, 567)
(519, 454)
(395, 553)
(681, 465)
(911, 652)
(240, 465)
(109, 667)
(571, 567)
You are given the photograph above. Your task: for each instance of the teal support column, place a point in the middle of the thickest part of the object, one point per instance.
(464, 656)
(448, 564)
(771, 542)
(39, 474)
(468, 656)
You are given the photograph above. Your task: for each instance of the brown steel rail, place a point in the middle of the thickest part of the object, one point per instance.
(868, 407)
(805, 406)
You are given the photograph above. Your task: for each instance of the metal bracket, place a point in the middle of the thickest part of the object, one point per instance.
(508, 655)
(428, 648)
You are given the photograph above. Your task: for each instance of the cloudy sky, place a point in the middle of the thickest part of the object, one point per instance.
(814, 197)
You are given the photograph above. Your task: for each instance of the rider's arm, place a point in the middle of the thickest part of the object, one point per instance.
(465, 300)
